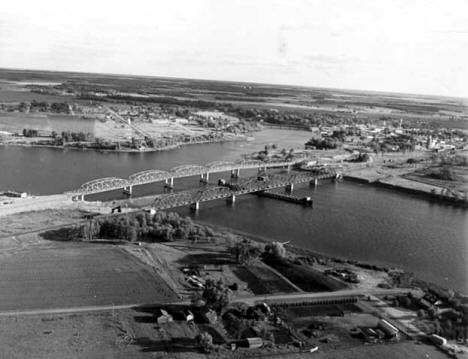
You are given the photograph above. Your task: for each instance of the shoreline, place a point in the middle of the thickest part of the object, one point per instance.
(432, 197)
(243, 137)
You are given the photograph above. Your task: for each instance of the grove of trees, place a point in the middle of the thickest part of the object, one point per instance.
(160, 227)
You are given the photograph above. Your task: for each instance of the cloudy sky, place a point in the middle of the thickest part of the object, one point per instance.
(416, 46)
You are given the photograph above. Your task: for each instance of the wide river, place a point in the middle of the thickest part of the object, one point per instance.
(348, 220)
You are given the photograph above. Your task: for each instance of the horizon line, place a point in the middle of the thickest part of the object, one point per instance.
(233, 81)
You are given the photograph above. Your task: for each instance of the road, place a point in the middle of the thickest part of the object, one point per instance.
(68, 310)
(292, 297)
(299, 297)
(133, 126)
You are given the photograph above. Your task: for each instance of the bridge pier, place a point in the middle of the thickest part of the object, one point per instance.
(82, 197)
(195, 206)
(204, 177)
(128, 190)
(314, 182)
(289, 188)
(231, 199)
(169, 182)
(235, 173)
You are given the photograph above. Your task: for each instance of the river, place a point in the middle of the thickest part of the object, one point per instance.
(348, 220)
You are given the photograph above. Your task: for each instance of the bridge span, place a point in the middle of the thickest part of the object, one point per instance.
(155, 175)
(194, 197)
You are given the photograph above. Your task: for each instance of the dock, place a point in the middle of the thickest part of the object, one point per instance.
(305, 201)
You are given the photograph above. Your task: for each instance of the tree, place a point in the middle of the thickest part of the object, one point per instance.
(275, 250)
(216, 294)
(449, 328)
(245, 252)
(205, 340)
(132, 234)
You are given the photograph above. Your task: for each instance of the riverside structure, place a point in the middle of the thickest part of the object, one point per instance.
(155, 175)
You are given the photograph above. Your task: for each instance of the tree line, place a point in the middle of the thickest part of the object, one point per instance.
(158, 227)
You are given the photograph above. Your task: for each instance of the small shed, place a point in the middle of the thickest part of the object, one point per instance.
(389, 329)
(254, 343)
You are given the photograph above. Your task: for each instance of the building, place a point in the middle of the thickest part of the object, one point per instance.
(389, 329)
(254, 343)
(164, 317)
(437, 340)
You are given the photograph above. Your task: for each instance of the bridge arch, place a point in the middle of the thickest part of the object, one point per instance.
(102, 185)
(148, 176)
(250, 163)
(187, 170)
(220, 166)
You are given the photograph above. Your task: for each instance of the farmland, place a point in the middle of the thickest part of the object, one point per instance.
(63, 276)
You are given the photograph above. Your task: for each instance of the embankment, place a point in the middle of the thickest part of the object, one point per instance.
(407, 186)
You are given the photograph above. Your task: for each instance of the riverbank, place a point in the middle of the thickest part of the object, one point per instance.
(231, 138)
(393, 177)
(407, 186)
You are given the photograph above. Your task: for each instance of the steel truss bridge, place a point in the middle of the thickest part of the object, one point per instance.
(249, 185)
(155, 175)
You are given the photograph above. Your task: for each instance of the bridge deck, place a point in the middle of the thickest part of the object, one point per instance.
(156, 175)
(248, 185)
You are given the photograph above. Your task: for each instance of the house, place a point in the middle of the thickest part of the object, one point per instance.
(188, 315)
(164, 317)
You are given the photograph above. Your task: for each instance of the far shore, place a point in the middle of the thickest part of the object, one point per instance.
(234, 138)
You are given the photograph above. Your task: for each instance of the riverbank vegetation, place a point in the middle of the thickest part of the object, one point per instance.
(160, 227)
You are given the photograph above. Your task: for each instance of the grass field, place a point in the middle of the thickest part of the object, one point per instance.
(15, 122)
(76, 275)
(36, 220)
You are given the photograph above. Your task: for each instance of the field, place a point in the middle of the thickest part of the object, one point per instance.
(262, 280)
(119, 334)
(307, 278)
(75, 275)
(36, 220)
(15, 122)
(208, 95)
(254, 278)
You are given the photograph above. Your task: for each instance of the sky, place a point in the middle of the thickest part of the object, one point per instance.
(413, 46)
